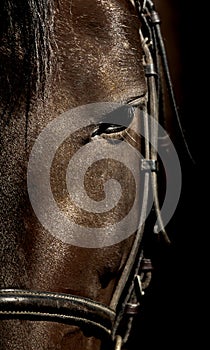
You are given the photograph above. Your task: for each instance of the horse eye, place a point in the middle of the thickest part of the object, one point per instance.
(115, 122)
(105, 128)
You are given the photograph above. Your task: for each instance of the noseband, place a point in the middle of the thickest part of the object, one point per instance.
(92, 317)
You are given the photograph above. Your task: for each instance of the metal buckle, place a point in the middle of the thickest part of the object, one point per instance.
(149, 165)
(138, 287)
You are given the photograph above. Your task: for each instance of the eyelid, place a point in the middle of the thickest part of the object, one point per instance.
(111, 124)
(136, 101)
(107, 129)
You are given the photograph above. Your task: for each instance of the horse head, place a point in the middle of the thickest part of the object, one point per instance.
(74, 97)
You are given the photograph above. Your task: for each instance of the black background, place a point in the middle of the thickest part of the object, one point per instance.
(173, 309)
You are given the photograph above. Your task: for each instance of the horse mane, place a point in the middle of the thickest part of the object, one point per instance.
(25, 49)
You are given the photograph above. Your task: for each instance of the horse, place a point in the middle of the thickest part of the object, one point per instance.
(78, 75)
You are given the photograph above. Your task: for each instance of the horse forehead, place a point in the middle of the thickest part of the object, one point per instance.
(98, 52)
(98, 9)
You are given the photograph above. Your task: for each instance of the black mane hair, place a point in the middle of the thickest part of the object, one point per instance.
(25, 49)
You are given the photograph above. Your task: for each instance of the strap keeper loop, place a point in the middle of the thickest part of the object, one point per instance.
(155, 19)
(146, 265)
(150, 70)
(132, 309)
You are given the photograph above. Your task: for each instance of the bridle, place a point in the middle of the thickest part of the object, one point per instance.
(113, 322)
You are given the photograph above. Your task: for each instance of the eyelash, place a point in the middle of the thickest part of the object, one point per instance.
(111, 130)
(108, 129)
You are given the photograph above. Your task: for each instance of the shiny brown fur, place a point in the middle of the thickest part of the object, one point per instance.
(92, 54)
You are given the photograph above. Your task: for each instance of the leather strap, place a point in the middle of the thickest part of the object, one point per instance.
(42, 306)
